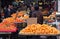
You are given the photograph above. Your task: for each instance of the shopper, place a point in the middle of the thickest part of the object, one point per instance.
(9, 10)
(31, 11)
(37, 13)
(22, 7)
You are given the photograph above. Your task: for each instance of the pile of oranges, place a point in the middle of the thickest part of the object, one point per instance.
(8, 20)
(18, 20)
(8, 23)
(12, 20)
(4, 27)
(39, 29)
(19, 14)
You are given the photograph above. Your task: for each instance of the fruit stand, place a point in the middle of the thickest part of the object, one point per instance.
(6, 31)
(10, 26)
(38, 31)
(16, 27)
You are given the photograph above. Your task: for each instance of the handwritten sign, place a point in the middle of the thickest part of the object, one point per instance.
(31, 21)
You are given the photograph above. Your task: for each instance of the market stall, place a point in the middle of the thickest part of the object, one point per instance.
(17, 26)
(39, 31)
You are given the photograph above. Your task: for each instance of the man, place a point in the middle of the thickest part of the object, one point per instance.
(31, 11)
(9, 10)
(37, 13)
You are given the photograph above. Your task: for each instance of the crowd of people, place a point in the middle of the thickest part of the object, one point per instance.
(35, 10)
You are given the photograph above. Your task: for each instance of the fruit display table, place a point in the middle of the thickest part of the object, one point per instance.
(6, 31)
(38, 36)
(39, 31)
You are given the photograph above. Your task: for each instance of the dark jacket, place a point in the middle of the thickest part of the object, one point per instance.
(39, 16)
(8, 13)
(30, 14)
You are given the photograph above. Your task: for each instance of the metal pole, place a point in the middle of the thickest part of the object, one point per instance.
(0, 4)
(57, 5)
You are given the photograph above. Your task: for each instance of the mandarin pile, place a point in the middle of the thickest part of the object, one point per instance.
(18, 15)
(8, 20)
(12, 20)
(39, 29)
(4, 27)
(18, 20)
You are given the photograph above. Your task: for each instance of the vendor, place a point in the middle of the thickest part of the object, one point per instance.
(31, 11)
(37, 13)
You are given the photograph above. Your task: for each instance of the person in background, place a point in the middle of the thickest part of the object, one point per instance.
(31, 11)
(37, 13)
(22, 7)
(41, 4)
(36, 4)
(9, 10)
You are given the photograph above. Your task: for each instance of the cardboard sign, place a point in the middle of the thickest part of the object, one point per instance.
(31, 21)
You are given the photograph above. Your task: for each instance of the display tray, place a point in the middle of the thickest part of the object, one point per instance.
(21, 22)
(5, 32)
(14, 30)
(40, 34)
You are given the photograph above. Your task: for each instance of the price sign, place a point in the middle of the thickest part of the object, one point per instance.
(31, 21)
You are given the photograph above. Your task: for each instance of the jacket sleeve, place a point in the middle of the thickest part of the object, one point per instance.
(33, 15)
(41, 19)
